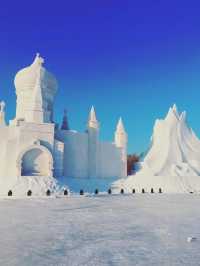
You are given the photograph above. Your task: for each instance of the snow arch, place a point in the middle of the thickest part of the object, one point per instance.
(35, 160)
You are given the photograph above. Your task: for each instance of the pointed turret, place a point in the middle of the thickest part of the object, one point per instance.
(121, 142)
(120, 126)
(2, 113)
(65, 124)
(120, 134)
(93, 136)
(92, 120)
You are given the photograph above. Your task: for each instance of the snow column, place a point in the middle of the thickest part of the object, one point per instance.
(121, 142)
(93, 134)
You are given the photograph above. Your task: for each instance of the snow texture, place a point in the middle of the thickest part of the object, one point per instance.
(173, 161)
(37, 184)
(140, 229)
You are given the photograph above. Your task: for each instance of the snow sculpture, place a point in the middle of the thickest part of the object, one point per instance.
(175, 149)
(173, 161)
(35, 153)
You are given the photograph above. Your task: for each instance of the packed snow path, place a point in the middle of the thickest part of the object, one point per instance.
(141, 229)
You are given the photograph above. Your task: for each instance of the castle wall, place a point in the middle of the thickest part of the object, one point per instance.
(8, 147)
(72, 161)
(30, 132)
(75, 153)
(110, 160)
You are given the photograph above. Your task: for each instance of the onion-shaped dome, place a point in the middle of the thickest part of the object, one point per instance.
(26, 78)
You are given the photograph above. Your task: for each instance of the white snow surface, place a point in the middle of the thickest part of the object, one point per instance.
(140, 229)
(37, 184)
(173, 161)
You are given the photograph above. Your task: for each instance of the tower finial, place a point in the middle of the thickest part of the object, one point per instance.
(92, 120)
(92, 115)
(120, 126)
(38, 60)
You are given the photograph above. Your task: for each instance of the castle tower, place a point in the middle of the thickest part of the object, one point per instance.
(65, 124)
(2, 114)
(35, 90)
(93, 136)
(121, 140)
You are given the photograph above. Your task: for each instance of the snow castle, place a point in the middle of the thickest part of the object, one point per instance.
(34, 152)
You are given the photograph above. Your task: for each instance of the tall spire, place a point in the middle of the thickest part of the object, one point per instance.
(121, 140)
(93, 136)
(92, 120)
(65, 125)
(120, 134)
(120, 126)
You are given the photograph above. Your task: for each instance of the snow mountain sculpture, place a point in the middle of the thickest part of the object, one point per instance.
(173, 161)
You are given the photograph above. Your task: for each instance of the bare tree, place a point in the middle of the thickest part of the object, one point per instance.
(132, 159)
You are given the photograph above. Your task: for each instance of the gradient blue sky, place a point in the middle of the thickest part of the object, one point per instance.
(127, 58)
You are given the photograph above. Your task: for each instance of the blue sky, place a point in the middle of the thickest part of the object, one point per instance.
(127, 58)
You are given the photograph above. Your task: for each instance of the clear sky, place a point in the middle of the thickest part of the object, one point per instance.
(127, 58)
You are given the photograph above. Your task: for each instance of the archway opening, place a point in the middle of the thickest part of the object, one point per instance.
(35, 162)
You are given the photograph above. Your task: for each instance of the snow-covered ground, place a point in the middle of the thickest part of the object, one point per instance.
(140, 229)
